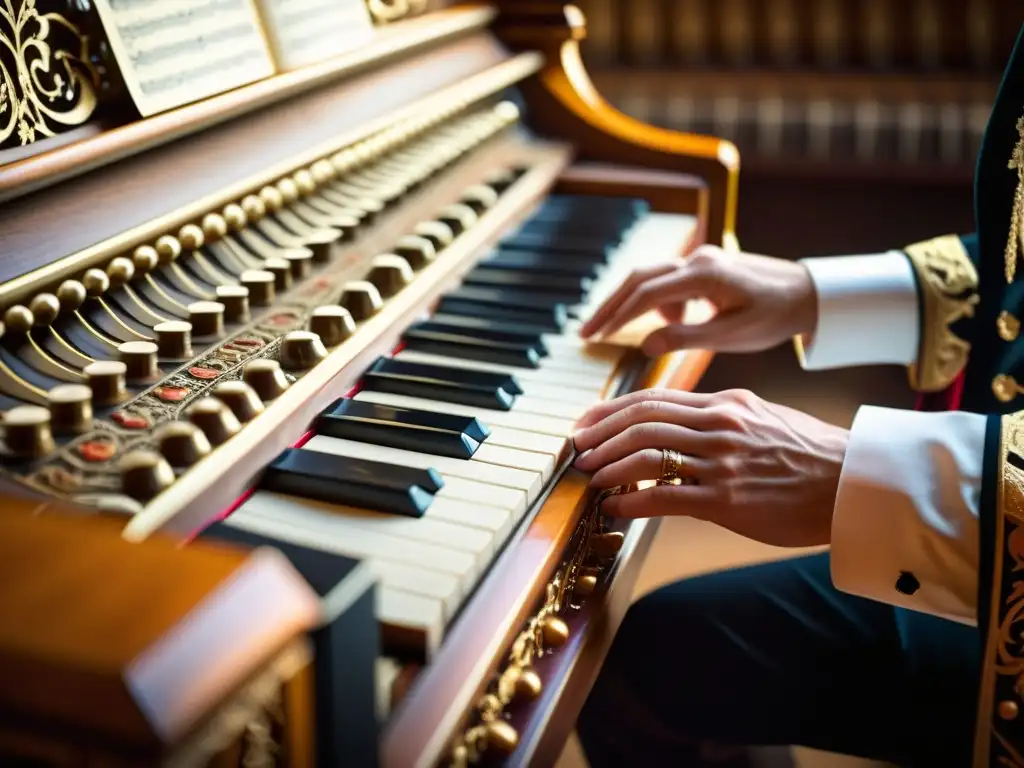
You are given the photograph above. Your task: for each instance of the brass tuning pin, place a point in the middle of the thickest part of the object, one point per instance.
(144, 475)
(215, 419)
(27, 431)
(301, 350)
(70, 409)
(416, 250)
(267, 378)
(361, 299)
(174, 339)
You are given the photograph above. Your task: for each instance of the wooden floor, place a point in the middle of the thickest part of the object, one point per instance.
(832, 396)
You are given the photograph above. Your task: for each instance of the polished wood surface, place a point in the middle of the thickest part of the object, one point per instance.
(88, 148)
(111, 210)
(84, 612)
(564, 103)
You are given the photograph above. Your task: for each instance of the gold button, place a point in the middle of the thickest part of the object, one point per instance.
(1009, 326)
(1008, 710)
(1005, 388)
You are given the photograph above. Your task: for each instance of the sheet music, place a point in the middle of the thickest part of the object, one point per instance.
(305, 32)
(175, 52)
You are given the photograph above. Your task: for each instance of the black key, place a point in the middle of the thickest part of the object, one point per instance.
(507, 297)
(440, 389)
(542, 263)
(466, 323)
(436, 434)
(445, 373)
(570, 290)
(552, 320)
(466, 347)
(596, 250)
(352, 482)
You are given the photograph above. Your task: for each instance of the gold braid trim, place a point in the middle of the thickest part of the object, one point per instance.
(949, 290)
(1000, 724)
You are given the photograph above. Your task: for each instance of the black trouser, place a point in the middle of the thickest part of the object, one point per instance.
(774, 655)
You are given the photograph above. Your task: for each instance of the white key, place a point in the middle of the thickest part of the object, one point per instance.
(529, 482)
(554, 377)
(406, 610)
(406, 577)
(526, 422)
(354, 541)
(507, 500)
(556, 394)
(541, 407)
(528, 441)
(503, 456)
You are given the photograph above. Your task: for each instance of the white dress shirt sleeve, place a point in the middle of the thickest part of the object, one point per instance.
(908, 503)
(867, 312)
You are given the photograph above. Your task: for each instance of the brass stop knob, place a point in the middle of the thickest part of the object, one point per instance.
(70, 409)
(267, 378)
(458, 217)
(416, 250)
(300, 263)
(216, 420)
(240, 398)
(438, 233)
(301, 350)
(235, 299)
(555, 632)
(27, 431)
(174, 339)
(107, 381)
(260, 283)
(182, 443)
(390, 274)
(144, 475)
(480, 197)
(281, 269)
(332, 324)
(207, 318)
(361, 299)
(606, 545)
(139, 358)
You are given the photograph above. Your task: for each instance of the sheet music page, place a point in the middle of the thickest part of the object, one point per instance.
(304, 32)
(176, 52)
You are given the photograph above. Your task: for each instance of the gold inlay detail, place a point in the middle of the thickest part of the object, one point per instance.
(47, 81)
(1002, 691)
(1008, 326)
(949, 287)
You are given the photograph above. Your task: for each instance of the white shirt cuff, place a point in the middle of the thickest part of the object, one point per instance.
(908, 503)
(867, 312)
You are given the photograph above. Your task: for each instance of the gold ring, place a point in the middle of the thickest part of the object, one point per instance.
(671, 469)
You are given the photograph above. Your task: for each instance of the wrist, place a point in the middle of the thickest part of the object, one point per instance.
(805, 304)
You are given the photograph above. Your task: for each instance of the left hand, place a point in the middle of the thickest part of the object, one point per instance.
(765, 471)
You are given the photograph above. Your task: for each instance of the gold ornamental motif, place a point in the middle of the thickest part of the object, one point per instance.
(1002, 682)
(949, 286)
(1008, 327)
(1013, 242)
(47, 81)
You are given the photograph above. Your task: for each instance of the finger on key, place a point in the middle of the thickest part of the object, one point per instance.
(611, 304)
(641, 437)
(678, 286)
(645, 465)
(602, 411)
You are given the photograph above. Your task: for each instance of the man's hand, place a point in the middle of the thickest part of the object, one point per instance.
(759, 302)
(762, 470)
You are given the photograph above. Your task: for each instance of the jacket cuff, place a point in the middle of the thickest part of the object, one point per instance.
(867, 312)
(948, 283)
(905, 526)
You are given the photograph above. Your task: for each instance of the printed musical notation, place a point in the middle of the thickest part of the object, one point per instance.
(305, 32)
(176, 53)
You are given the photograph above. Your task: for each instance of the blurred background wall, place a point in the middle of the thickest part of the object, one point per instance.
(858, 121)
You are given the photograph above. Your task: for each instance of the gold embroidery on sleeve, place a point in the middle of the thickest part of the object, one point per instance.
(949, 290)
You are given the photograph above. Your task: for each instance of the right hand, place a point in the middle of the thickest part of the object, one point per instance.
(759, 302)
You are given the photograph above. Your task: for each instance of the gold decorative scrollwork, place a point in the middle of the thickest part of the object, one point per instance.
(949, 288)
(387, 11)
(47, 81)
(1001, 711)
(490, 731)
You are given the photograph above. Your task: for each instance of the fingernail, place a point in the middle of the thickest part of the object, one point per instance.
(582, 459)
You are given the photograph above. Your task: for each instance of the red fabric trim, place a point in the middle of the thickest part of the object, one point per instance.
(948, 399)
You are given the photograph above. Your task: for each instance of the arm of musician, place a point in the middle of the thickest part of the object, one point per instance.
(912, 307)
(905, 528)
(867, 312)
